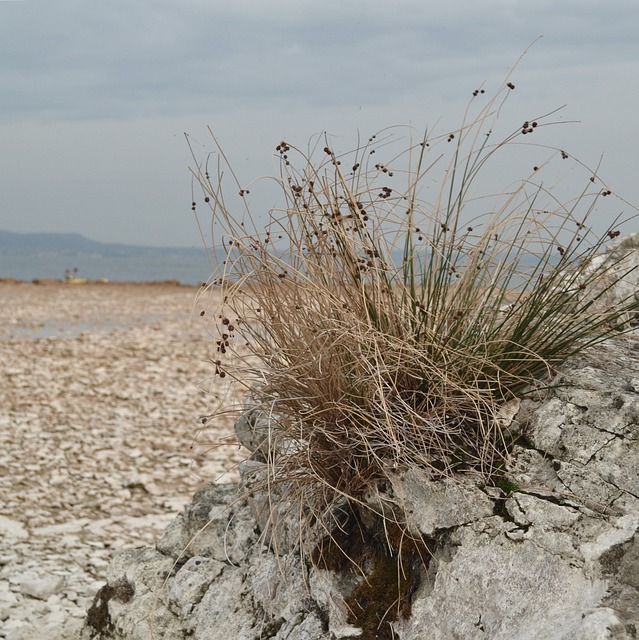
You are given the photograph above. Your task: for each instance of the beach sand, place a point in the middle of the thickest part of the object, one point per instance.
(102, 391)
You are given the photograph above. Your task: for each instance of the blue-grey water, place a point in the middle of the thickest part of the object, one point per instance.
(30, 256)
(186, 267)
(56, 256)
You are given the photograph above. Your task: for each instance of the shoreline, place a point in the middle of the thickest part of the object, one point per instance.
(101, 281)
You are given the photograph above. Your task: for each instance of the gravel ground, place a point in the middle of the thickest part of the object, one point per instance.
(102, 387)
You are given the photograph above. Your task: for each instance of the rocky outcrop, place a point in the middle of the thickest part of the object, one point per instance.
(551, 552)
(617, 274)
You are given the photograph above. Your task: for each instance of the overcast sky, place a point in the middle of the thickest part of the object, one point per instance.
(96, 96)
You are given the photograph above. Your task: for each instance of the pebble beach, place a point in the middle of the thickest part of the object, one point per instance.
(103, 387)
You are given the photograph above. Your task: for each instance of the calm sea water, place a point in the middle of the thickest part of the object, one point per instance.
(186, 268)
(125, 264)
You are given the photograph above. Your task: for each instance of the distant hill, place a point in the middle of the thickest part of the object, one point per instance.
(74, 243)
(28, 256)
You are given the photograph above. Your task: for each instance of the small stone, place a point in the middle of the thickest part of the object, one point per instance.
(57, 616)
(516, 535)
(12, 529)
(14, 630)
(7, 558)
(8, 601)
(98, 563)
(71, 595)
(41, 588)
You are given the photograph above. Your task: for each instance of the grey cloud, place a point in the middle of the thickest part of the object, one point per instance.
(80, 60)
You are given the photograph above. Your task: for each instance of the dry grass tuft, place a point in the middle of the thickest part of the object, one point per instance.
(387, 311)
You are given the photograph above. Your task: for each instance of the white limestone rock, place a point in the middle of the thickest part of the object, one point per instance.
(433, 506)
(554, 555)
(12, 530)
(40, 587)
